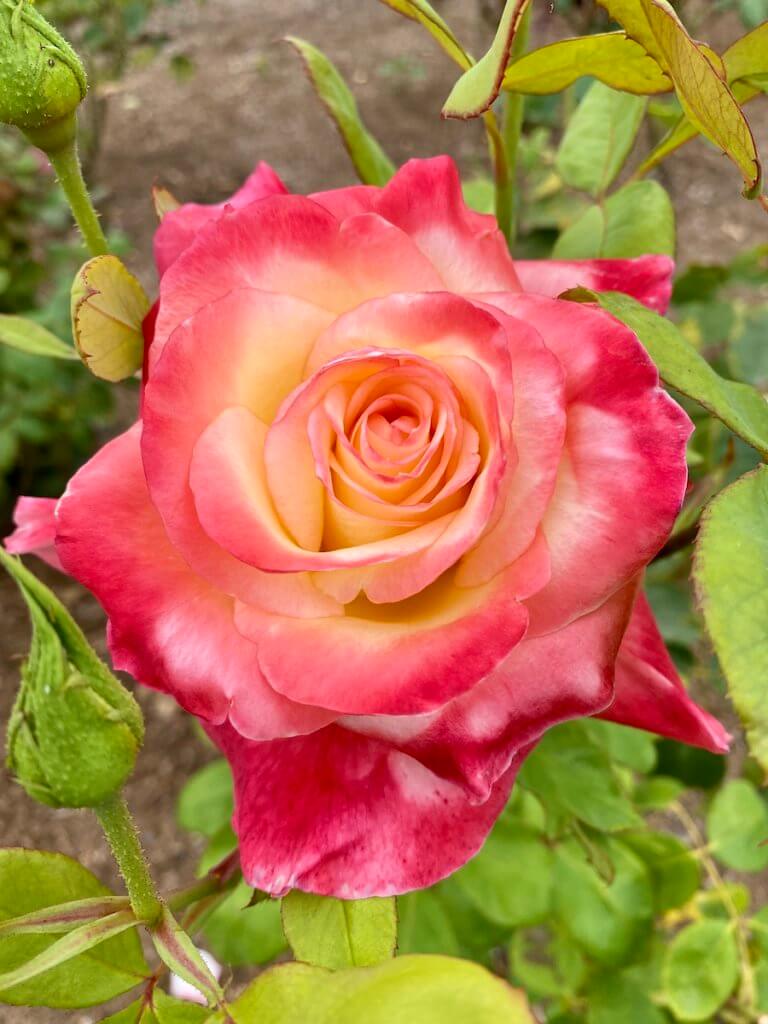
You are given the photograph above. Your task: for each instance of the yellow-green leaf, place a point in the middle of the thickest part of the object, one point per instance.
(706, 99)
(412, 989)
(164, 201)
(478, 87)
(611, 57)
(333, 933)
(438, 28)
(731, 577)
(32, 338)
(108, 307)
(372, 164)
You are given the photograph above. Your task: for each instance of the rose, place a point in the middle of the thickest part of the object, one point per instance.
(383, 519)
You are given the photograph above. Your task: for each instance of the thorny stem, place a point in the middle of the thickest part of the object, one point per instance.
(66, 163)
(123, 839)
(747, 993)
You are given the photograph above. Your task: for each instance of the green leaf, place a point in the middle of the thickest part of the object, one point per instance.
(615, 997)
(478, 87)
(658, 792)
(31, 880)
(178, 951)
(700, 969)
(607, 920)
(556, 967)
(333, 933)
(739, 406)
(206, 802)
(731, 578)
(370, 161)
(443, 920)
(571, 773)
(634, 748)
(636, 220)
(238, 934)
(674, 870)
(598, 138)
(64, 917)
(737, 824)
(611, 57)
(423, 989)
(160, 1009)
(510, 880)
(706, 99)
(423, 13)
(32, 338)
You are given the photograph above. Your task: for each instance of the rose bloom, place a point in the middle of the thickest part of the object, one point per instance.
(383, 519)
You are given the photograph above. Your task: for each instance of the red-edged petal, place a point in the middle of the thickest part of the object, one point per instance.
(179, 227)
(35, 531)
(647, 278)
(623, 474)
(290, 245)
(650, 694)
(406, 658)
(342, 815)
(168, 627)
(545, 680)
(424, 199)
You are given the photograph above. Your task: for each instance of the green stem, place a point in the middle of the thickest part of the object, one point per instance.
(512, 126)
(66, 163)
(120, 830)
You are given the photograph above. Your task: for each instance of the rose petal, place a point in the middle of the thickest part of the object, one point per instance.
(406, 658)
(546, 680)
(646, 278)
(650, 694)
(290, 245)
(35, 531)
(168, 627)
(364, 820)
(179, 228)
(623, 475)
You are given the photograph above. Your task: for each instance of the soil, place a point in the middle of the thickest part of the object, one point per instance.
(200, 135)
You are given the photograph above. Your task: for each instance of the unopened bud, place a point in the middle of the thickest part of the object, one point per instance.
(75, 730)
(42, 80)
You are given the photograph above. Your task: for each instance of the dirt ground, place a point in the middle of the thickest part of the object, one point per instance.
(247, 100)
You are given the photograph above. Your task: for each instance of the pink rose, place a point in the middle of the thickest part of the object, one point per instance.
(383, 519)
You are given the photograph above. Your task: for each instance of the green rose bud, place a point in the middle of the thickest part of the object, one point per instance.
(74, 731)
(42, 80)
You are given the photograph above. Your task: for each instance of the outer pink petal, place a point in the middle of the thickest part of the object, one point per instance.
(290, 245)
(347, 202)
(424, 199)
(407, 658)
(623, 475)
(168, 628)
(179, 228)
(651, 695)
(546, 680)
(341, 815)
(647, 278)
(35, 531)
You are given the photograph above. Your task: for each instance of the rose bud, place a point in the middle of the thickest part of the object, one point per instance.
(75, 731)
(42, 80)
